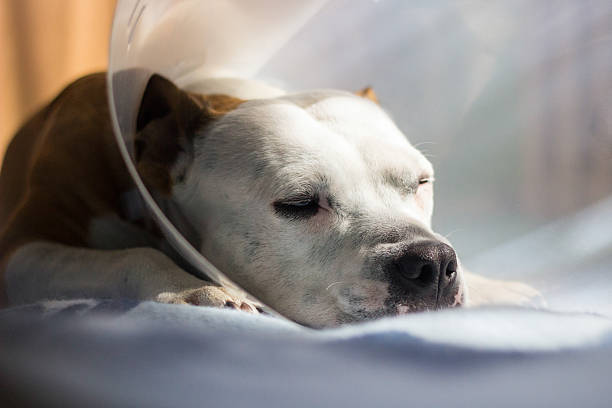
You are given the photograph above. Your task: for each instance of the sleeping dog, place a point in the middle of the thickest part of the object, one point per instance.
(315, 203)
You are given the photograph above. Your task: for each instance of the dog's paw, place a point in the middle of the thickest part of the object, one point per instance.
(483, 291)
(214, 296)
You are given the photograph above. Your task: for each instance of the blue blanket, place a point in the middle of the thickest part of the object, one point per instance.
(123, 354)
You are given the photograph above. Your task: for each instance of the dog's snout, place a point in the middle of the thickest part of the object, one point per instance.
(425, 265)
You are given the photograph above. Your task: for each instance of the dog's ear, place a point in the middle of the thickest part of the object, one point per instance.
(165, 125)
(167, 122)
(368, 93)
(162, 99)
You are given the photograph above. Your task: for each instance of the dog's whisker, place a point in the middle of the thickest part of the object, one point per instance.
(417, 145)
(332, 284)
(447, 235)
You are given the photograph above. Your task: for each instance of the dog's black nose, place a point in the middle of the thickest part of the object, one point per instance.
(426, 264)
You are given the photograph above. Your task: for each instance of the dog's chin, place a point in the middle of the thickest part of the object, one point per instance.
(365, 310)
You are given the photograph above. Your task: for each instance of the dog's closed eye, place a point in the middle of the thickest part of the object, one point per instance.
(297, 208)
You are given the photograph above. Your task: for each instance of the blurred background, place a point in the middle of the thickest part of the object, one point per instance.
(44, 45)
(511, 101)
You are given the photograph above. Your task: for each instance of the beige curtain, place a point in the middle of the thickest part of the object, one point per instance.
(44, 45)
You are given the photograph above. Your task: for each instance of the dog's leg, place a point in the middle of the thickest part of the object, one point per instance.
(44, 270)
(486, 291)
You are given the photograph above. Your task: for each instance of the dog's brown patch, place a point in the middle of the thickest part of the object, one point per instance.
(368, 93)
(61, 170)
(219, 104)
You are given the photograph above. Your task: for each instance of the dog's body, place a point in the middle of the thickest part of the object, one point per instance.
(315, 203)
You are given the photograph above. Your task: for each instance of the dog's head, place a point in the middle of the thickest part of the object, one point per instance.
(315, 203)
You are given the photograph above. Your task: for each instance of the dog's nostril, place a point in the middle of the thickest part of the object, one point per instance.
(451, 270)
(416, 271)
(426, 275)
(409, 273)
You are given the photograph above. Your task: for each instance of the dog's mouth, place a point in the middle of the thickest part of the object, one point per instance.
(401, 302)
(449, 302)
(449, 297)
(385, 300)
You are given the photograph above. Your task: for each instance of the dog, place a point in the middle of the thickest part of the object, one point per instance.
(314, 203)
